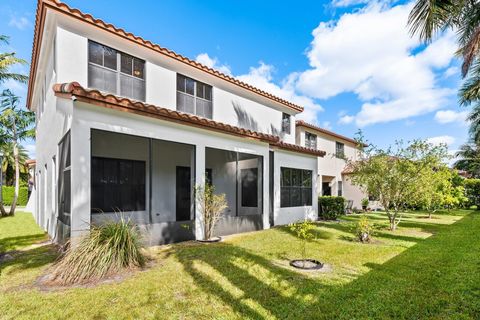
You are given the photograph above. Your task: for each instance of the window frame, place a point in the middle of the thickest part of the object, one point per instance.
(308, 140)
(340, 155)
(340, 188)
(118, 70)
(286, 123)
(195, 94)
(300, 188)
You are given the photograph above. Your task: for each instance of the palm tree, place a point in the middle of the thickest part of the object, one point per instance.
(8, 162)
(17, 125)
(469, 161)
(7, 60)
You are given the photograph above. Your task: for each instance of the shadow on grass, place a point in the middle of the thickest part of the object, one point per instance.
(433, 279)
(7, 244)
(30, 259)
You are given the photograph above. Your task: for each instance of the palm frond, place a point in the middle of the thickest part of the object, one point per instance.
(429, 16)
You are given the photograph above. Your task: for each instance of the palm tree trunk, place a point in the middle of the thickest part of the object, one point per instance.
(17, 170)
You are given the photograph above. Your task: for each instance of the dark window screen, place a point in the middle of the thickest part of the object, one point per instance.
(64, 180)
(117, 184)
(295, 187)
(249, 187)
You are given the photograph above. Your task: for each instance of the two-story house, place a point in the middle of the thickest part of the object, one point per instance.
(333, 174)
(125, 125)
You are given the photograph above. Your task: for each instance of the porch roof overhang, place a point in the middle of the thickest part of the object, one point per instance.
(110, 101)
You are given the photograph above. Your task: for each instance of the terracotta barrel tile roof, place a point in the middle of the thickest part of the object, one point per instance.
(297, 148)
(301, 123)
(75, 13)
(95, 97)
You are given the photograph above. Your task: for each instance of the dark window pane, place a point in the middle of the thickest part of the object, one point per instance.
(95, 53)
(200, 88)
(249, 187)
(138, 68)
(307, 178)
(296, 197)
(208, 92)
(109, 58)
(286, 123)
(117, 185)
(286, 177)
(307, 196)
(285, 197)
(190, 86)
(180, 83)
(67, 191)
(126, 64)
(296, 177)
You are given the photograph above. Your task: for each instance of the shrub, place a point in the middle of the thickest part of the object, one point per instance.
(472, 190)
(9, 191)
(330, 207)
(211, 205)
(303, 231)
(363, 229)
(106, 249)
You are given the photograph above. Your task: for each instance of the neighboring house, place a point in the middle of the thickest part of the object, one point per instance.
(333, 173)
(126, 125)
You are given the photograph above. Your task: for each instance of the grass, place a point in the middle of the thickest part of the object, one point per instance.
(427, 269)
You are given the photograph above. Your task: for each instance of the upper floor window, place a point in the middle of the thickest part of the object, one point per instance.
(339, 150)
(310, 140)
(194, 97)
(286, 123)
(115, 72)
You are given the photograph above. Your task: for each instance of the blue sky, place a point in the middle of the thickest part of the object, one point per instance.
(351, 63)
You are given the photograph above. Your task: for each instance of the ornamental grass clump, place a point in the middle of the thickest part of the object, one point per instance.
(107, 249)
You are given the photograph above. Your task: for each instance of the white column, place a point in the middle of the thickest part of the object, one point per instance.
(266, 190)
(80, 179)
(199, 181)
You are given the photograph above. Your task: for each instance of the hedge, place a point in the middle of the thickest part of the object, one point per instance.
(330, 207)
(472, 190)
(8, 193)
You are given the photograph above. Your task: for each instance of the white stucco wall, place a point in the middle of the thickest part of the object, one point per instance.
(331, 167)
(297, 161)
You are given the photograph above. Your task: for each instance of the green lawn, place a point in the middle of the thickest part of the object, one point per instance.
(428, 269)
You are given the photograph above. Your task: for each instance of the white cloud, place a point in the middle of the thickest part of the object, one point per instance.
(450, 72)
(448, 140)
(19, 22)
(370, 53)
(348, 3)
(213, 63)
(346, 119)
(326, 125)
(262, 78)
(448, 116)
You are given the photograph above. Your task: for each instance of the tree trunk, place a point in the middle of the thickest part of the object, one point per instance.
(17, 170)
(429, 214)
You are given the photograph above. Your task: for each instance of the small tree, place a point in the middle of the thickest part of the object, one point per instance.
(393, 175)
(211, 205)
(303, 231)
(17, 125)
(433, 186)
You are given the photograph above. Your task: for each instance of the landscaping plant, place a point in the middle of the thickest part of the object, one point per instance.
(303, 231)
(106, 249)
(211, 205)
(395, 175)
(364, 229)
(331, 207)
(365, 204)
